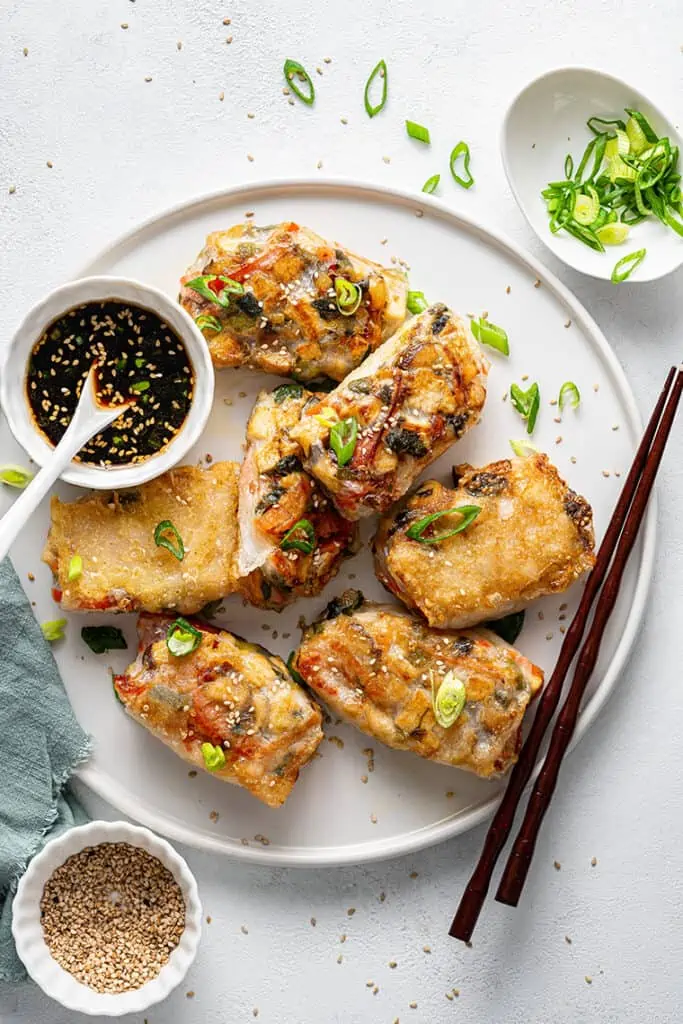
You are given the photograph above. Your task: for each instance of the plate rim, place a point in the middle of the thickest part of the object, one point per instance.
(409, 842)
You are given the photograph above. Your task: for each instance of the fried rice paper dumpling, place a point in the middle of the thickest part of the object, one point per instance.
(283, 300)
(379, 668)
(228, 707)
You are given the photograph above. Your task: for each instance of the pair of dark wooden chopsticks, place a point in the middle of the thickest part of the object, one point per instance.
(602, 584)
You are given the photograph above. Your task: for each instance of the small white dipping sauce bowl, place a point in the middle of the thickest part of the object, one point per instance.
(28, 931)
(14, 366)
(545, 122)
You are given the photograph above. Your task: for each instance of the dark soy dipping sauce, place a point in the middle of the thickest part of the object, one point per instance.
(136, 355)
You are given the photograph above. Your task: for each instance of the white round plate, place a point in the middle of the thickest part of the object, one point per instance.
(340, 812)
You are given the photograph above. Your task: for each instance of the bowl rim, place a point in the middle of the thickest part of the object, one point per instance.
(14, 357)
(584, 69)
(28, 934)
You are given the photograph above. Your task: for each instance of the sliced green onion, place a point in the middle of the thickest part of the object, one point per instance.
(348, 296)
(16, 476)
(206, 323)
(379, 69)
(586, 206)
(569, 395)
(166, 536)
(633, 175)
(461, 150)
(643, 124)
(416, 302)
(182, 638)
(523, 449)
(213, 757)
(140, 387)
(527, 404)
(626, 265)
(418, 131)
(217, 295)
(468, 514)
(295, 73)
(600, 125)
(431, 184)
(613, 234)
(301, 537)
(286, 391)
(490, 334)
(448, 700)
(75, 568)
(343, 437)
(568, 165)
(619, 145)
(101, 639)
(53, 630)
(619, 170)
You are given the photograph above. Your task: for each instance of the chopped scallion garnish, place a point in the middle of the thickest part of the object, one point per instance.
(213, 757)
(166, 536)
(626, 265)
(418, 131)
(416, 302)
(182, 638)
(216, 288)
(301, 537)
(16, 476)
(626, 174)
(379, 69)
(448, 699)
(53, 630)
(527, 403)
(569, 395)
(523, 449)
(343, 437)
(75, 568)
(490, 334)
(465, 179)
(296, 73)
(431, 184)
(206, 323)
(467, 513)
(348, 296)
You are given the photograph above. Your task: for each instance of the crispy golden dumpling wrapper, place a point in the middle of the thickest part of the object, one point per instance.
(399, 411)
(533, 536)
(123, 569)
(271, 299)
(380, 669)
(261, 726)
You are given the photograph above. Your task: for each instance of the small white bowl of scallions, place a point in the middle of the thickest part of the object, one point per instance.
(595, 167)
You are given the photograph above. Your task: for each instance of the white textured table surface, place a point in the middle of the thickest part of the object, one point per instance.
(122, 148)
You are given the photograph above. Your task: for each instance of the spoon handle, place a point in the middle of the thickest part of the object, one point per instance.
(89, 419)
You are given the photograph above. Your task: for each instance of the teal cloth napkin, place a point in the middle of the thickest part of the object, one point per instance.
(40, 745)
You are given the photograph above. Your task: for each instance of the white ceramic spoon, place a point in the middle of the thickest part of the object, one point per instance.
(88, 419)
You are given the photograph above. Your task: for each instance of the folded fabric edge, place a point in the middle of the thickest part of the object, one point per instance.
(10, 973)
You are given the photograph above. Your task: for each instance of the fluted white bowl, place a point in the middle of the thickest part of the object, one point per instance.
(28, 932)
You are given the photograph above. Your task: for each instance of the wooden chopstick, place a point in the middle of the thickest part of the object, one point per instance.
(473, 898)
(519, 862)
